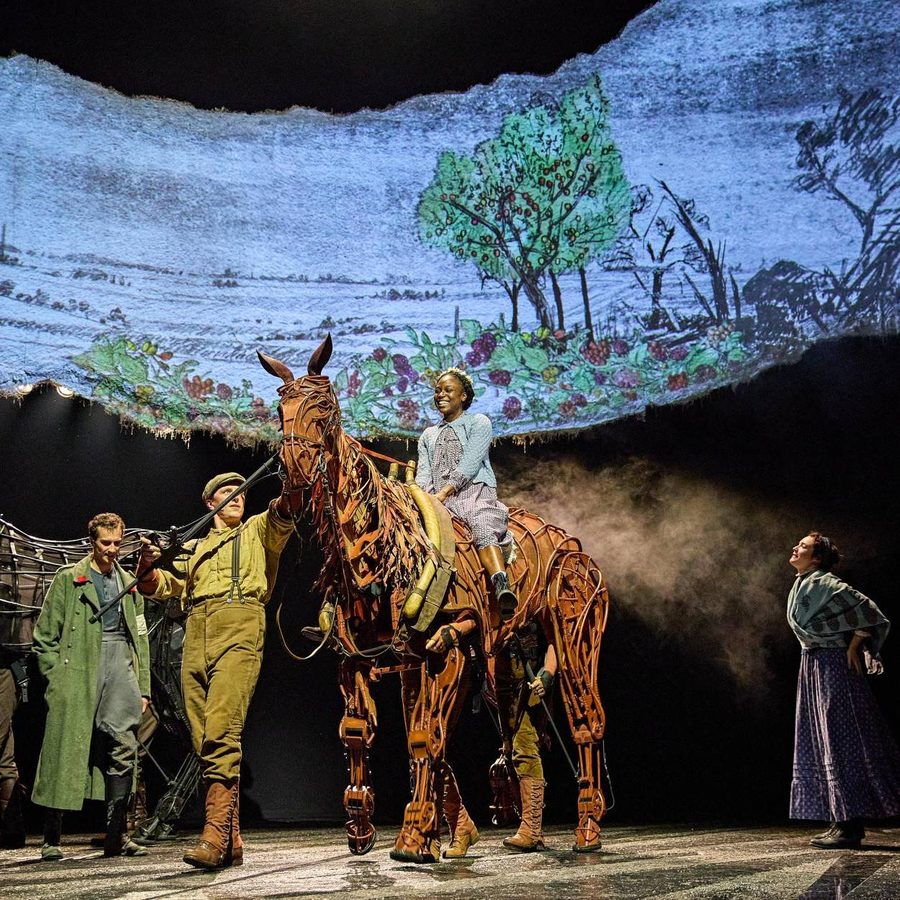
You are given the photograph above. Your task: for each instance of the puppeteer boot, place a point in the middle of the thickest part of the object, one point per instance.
(529, 837)
(12, 828)
(463, 833)
(211, 851)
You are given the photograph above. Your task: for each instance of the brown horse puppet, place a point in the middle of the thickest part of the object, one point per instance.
(391, 587)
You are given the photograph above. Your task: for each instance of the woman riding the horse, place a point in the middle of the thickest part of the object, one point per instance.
(454, 465)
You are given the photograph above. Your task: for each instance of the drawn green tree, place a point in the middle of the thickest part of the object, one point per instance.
(545, 196)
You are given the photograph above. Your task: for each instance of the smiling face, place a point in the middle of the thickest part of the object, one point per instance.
(802, 558)
(105, 548)
(449, 397)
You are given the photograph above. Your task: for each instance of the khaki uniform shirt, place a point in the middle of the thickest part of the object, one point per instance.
(205, 573)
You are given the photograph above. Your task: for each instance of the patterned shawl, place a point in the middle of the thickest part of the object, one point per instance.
(824, 611)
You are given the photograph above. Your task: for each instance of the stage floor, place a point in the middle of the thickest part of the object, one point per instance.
(658, 862)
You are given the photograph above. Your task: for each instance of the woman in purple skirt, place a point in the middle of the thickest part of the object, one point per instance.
(846, 763)
(454, 465)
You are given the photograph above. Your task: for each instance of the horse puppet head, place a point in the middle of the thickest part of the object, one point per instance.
(309, 412)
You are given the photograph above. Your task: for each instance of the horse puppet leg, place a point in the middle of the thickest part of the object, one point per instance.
(577, 605)
(357, 731)
(430, 722)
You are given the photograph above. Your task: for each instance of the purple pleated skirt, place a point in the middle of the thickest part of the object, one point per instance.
(846, 762)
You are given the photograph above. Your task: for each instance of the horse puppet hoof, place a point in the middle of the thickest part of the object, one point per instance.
(359, 845)
(589, 848)
(407, 856)
(413, 855)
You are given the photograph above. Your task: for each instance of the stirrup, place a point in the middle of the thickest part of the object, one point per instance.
(507, 604)
(313, 633)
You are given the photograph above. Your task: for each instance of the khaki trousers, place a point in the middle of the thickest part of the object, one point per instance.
(526, 755)
(222, 655)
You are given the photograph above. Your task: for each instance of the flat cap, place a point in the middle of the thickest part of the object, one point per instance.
(218, 481)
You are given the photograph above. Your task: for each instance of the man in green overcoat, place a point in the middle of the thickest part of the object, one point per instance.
(98, 684)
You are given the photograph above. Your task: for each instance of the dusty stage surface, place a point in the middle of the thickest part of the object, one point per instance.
(636, 862)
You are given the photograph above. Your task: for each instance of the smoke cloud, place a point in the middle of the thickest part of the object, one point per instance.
(698, 563)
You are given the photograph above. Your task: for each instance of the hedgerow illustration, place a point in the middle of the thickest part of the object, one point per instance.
(547, 197)
(146, 385)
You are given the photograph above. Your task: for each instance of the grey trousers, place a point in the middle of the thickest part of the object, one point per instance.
(118, 712)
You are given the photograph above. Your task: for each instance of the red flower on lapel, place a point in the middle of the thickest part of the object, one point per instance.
(82, 579)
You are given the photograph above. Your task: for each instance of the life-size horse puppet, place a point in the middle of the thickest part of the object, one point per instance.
(376, 547)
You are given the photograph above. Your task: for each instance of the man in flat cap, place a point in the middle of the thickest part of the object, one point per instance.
(224, 581)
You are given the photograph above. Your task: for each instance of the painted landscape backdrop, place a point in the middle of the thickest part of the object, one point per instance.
(704, 197)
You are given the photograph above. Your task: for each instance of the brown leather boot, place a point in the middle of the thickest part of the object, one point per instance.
(529, 837)
(463, 833)
(237, 843)
(211, 851)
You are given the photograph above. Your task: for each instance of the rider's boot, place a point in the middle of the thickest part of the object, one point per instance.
(491, 558)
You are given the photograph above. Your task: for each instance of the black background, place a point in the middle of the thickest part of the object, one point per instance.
(334, 55)
(821, 437)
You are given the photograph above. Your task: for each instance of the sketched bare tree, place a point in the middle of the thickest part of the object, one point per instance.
(853, 157)
(652, 248)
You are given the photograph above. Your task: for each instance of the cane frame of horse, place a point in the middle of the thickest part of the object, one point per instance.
(375, 546)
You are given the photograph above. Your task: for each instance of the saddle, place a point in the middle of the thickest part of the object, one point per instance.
(429, 593)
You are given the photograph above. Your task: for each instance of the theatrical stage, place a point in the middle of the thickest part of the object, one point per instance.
(657, 242)
(636, 862)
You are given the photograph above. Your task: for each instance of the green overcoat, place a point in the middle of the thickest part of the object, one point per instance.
(67, 647)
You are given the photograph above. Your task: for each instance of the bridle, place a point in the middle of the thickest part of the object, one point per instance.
(321, 446)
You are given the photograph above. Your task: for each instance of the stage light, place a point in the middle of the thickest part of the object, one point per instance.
(24, 389)
(65, 392)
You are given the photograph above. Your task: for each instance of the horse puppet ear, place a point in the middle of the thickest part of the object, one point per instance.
(275, 367)
(320, 356)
